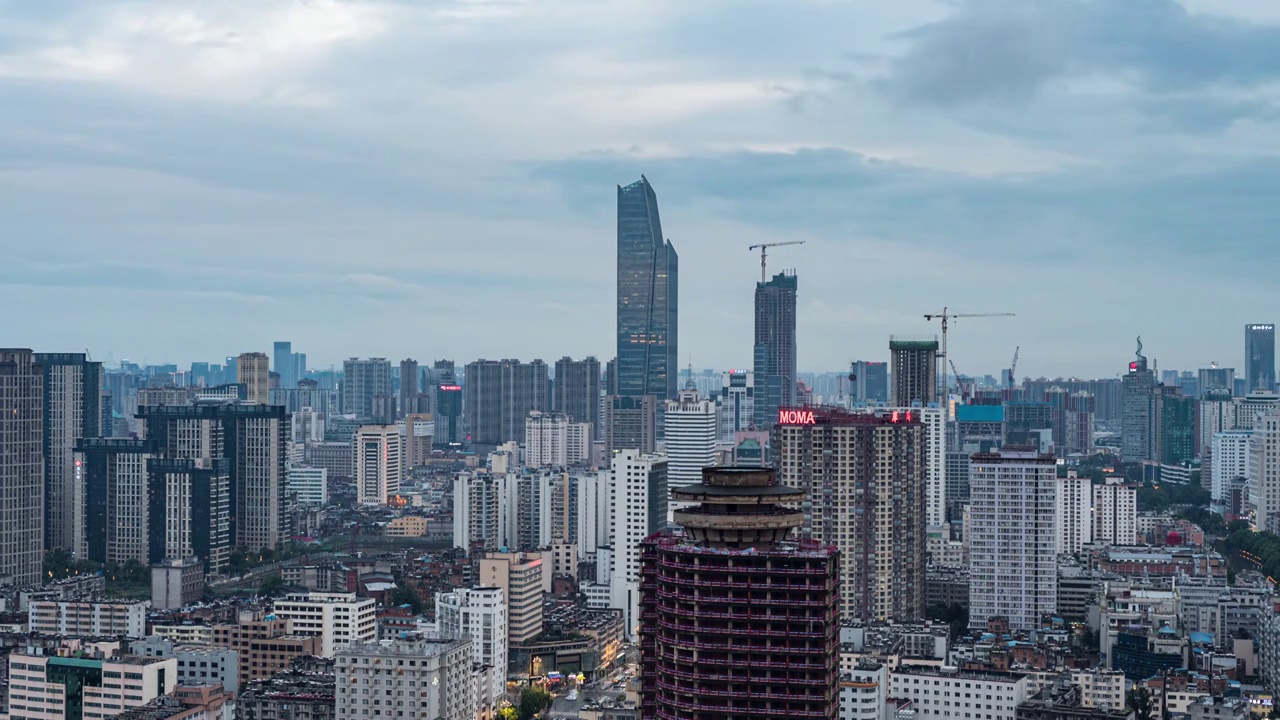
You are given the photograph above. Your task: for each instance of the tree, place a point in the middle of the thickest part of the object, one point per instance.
(1139, 700)
(271, 585)
(406, 595)
(508, 713)
(533, 701)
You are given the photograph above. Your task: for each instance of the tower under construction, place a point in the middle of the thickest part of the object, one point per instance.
(736, 620)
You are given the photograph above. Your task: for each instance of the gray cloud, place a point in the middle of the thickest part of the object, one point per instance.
(1006, 49)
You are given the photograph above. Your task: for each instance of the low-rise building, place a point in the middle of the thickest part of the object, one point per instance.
(184, 633)
(266, 645)
(338, 619)
(862, 692)
(1064, 700)
(437, 675)
(176, 583)
(947, 693)
(197, 664)
(407, 526)
(208, 701)
(306, 691)
(55, 688)
(88, 619)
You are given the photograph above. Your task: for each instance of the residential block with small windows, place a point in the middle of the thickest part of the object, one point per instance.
(89, 619)
(338, 619)
(81, 688)
(950, 694)
(417, 679)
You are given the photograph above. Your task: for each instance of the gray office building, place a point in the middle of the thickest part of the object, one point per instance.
(648, 275)
(1135, 420)
(576, 390)
(498, 395)
(362, 380)
(22, 472)
(775, 347)
(914, 375)
(1260, 357)
(72, 410)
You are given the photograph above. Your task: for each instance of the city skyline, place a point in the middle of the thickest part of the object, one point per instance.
(252, 170)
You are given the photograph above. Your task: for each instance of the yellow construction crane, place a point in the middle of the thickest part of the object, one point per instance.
(765, 246)
(944, 316)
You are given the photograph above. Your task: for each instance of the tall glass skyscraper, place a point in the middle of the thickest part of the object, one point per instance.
(1260, 357)
(775, 346)
(648, 275)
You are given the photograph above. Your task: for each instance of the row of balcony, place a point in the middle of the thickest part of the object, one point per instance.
(667, 561)
(727, 678)
(828, 584)
(755, 650)
(733, 662)
(737, 632)
(726, 600)
(752, 692)
(781, 614)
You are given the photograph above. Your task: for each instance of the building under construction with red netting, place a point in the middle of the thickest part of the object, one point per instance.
(737, 621)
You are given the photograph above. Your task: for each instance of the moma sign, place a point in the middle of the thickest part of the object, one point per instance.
(796, 417)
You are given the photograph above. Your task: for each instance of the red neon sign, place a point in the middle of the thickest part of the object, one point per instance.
(447, 388)
(796, 417)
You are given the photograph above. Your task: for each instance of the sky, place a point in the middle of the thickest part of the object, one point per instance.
(192, 179)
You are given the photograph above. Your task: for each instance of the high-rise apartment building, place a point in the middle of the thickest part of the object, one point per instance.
(189, 483)
(522, 578)
(1230, 453)
(499, 394)
(437, 674)
(555, 440)
(481, 510)
(479, 614)
(114, 474)
(1216, 414)
(1135, 422)
(914, 374)
(1029, 422)
(257, 438)
(870, 383)
(308, 486)
(648, 278)
(1013, 569)
(1264, 472)
(1073, 513)
(1079, 420)
(630, 423)
(1260, 357)
(1173, 432)
(736, 403)
(863, 476)
(254, 372)
(72, 400)
(690, 431)
(1115, 512)
(733, 576)
(378, 462)
(408, 387)
(576, 391)
(638, 508)
(775, 345)
(362, 381)
(1215, 378)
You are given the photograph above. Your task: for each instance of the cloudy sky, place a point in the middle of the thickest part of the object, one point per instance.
(436, 178)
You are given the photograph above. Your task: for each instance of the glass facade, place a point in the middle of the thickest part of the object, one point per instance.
(648, 273)
(1260, 357)
(775, 346)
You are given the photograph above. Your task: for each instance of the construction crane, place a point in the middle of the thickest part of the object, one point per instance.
(961, 384)
(764, 247)
(1013, 366)
(944, 316)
